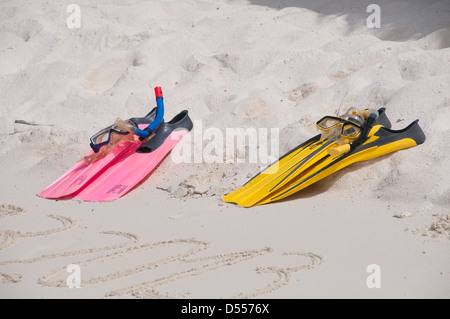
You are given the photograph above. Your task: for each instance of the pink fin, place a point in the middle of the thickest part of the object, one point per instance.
(126, 173)
(81, 174)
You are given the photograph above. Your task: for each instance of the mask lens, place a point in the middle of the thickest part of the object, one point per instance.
(119, 129)
(328, 123)
(350, 131)
(100, 138)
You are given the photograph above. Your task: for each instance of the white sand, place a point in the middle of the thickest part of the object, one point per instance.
(232, 63)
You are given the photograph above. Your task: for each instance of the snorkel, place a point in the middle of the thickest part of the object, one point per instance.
(106, 140)
(144, 133)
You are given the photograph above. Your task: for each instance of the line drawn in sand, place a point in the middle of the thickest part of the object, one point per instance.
(131, 239)
(207, 264)
(11, 236)
(8, 210)
(10, 278)
(182, 261)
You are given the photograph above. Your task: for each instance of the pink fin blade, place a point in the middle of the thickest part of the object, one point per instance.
(126, 174)
(81, 174)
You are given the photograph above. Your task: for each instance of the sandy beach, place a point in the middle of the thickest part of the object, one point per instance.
(267, 65)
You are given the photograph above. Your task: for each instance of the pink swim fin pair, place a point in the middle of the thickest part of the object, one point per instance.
(121, 170)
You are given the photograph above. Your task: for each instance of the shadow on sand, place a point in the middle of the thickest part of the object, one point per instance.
(401, 20)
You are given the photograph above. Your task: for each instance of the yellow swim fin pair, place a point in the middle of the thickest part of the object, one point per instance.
(323, 155)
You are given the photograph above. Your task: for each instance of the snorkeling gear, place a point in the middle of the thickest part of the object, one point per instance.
(342, 143)
(137, 164)
(111, 143)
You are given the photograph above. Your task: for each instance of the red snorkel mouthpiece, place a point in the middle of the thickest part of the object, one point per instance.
(158, 92)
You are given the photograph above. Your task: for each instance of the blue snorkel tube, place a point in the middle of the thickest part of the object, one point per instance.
(143, 134)
(120, 127)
